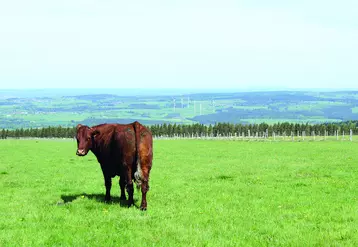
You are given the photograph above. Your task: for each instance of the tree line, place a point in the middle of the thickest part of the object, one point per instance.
(219, 129)
(227, 129)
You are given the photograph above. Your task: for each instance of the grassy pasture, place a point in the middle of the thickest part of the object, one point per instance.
(203, 193)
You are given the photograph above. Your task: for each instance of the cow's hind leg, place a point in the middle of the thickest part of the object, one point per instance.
(122, 185)
(130, 191)
(145, 187)
(108, 184)
(129, 185)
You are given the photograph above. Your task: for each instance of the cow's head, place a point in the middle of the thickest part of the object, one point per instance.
(85, 139)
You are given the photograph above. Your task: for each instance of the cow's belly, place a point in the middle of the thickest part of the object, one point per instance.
(117, 170)
(113, 170)
(116, 166)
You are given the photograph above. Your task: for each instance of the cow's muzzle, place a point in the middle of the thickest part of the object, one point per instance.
(81, 152)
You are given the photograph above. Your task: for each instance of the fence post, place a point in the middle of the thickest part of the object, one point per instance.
(325, 134)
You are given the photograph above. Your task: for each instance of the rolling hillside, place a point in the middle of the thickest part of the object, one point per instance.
(43, 108)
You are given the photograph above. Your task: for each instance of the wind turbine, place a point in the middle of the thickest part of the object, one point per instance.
(174, 104)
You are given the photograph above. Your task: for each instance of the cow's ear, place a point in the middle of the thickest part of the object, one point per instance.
(78, 126)
(95, 132)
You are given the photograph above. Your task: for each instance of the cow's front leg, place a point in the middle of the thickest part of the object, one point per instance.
(108, 184)
(122, 185)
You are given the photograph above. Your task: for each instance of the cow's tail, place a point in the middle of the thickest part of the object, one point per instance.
(138, 173)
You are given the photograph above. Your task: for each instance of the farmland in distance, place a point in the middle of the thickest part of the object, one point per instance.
(25, 110)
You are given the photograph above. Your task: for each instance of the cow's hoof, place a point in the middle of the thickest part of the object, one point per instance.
(130, 203)
(107, 200)
(143, 208)
(123, 198)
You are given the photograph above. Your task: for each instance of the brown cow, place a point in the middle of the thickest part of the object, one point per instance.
(124, 150)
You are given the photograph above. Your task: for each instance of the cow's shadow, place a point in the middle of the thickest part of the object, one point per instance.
(97, 197)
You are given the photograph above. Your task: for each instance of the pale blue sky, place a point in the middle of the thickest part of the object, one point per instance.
(179, 44)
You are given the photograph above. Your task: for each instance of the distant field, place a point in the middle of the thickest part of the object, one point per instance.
(202, 193)
(204, 108)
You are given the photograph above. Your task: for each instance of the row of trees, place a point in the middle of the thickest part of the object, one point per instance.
(219, 129)
(227, 129)
(49, 132)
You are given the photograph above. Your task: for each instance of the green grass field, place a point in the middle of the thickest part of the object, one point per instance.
(202, 193)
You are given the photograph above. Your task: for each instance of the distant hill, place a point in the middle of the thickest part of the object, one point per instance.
(33, 109)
